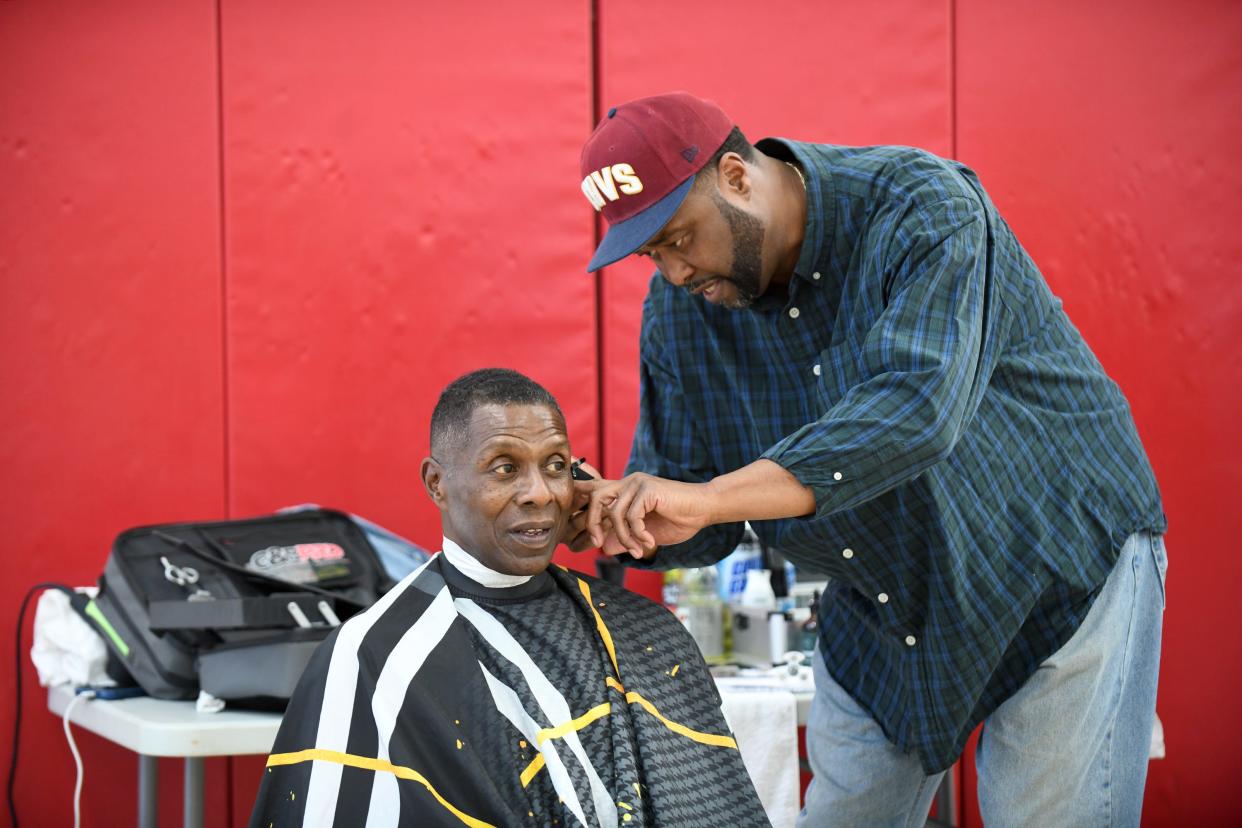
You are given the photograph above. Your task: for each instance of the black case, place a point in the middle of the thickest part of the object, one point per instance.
(174, 640)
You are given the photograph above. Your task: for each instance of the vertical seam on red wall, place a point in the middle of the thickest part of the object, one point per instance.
(953, 78)
(598, 277)
(226, 409)
(226, 436)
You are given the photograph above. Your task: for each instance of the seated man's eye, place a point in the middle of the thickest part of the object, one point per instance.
(557, 466)
(505, 468)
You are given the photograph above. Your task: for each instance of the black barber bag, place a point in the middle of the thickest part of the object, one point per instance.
(233, 607)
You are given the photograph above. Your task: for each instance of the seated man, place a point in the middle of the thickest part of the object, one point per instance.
(491, 688)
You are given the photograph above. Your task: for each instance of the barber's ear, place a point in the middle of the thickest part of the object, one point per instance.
(433, 479)
(732, 175)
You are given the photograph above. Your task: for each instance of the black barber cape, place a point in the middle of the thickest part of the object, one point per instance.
(562, 701)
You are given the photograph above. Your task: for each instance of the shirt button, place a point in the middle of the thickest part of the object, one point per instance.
(794, 313)
(910, 640)
(815, 275)
(836, 475)
(847, 553)
(815, 370)
(882, 597)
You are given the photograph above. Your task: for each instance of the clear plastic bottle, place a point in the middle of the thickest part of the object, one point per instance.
(704, 616)
(671, 591)
(810, 627)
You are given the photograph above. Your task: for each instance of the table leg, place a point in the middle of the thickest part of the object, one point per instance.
(193, 792)
(148, 791)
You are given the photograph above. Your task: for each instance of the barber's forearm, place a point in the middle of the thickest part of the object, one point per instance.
(762, 490)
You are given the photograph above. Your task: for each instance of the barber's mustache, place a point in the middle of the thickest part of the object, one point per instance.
(698, 284)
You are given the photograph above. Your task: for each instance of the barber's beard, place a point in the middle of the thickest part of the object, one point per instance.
(747, 232)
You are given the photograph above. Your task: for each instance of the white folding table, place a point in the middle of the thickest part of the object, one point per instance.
(153, 728)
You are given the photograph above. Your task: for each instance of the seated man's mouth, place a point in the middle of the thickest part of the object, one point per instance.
(532, 534)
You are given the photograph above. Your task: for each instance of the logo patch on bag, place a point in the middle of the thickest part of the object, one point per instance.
(302, 563)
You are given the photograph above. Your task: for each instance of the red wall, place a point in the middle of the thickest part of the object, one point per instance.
(392, 223)
(111, 411)
(1108, 135)
(242, 249)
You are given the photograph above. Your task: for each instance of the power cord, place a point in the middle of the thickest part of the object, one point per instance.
(77, 757)
(17, 719)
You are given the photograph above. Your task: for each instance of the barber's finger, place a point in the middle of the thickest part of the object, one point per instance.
(583, 490)
(644, 553)
(594, 514)
(612, 547)
(615, 513)
(635, 519)
(618, 511)
(580, 500)
(638, 530)
(594, 508)
(631, 517)
(580, 537)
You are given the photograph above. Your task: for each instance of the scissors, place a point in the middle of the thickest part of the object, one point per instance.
(179, 575)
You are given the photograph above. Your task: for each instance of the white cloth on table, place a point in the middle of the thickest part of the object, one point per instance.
(765, 723)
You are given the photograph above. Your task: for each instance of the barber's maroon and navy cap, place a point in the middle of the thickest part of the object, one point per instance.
(639, 164)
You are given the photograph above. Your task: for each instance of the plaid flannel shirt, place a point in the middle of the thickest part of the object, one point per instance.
(975, 470)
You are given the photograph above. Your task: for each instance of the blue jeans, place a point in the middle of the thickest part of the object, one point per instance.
(1069, 748)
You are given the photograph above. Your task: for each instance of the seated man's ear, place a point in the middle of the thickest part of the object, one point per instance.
(433, 479)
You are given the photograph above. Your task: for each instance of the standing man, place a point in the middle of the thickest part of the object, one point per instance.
(849, 347)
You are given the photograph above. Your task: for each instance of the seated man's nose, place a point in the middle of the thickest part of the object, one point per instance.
(536, 489)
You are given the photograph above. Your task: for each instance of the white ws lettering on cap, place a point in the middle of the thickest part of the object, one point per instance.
(610, 183)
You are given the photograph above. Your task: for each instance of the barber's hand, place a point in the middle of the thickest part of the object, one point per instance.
(578, 539)
(645, 513)
(576, 536)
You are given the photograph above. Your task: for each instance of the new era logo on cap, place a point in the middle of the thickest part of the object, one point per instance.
(639, 164)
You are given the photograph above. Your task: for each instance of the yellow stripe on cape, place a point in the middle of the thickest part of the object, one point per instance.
(378, 765)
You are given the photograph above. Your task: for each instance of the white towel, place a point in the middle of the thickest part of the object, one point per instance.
(66, 650)
(765, 724)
